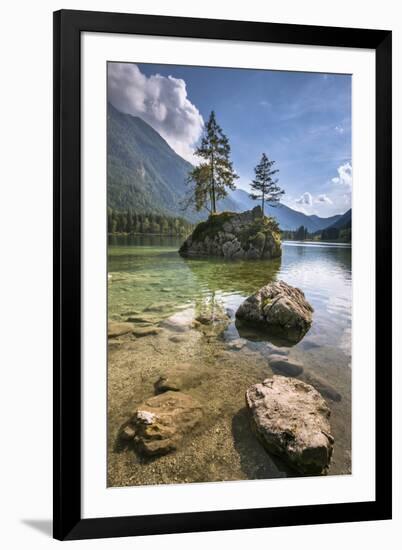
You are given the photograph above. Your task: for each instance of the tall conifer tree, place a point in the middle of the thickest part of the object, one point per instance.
(215, 175)
(266, 187)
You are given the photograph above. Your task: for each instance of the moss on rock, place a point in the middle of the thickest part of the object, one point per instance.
(246, 235)
(211, 226)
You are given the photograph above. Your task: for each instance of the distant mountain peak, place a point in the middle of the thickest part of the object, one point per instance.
(287, 218)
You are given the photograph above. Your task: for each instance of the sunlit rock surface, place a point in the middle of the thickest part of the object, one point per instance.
(291, 419)
(160, 423)
(245, 236)
(278, 307)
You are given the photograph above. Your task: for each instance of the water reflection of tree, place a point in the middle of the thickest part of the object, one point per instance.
(241, 277)
(210, 306)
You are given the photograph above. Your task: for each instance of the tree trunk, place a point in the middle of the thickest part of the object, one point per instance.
(213, 185)
(263, 200)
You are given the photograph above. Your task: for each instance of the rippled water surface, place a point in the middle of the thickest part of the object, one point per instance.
(149, 281)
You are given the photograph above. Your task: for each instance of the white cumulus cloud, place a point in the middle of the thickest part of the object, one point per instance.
(305, 198)
(323, 198)
(344, 176)
(159, 100)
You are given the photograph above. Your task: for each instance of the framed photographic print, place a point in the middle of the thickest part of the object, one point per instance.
(222, 227)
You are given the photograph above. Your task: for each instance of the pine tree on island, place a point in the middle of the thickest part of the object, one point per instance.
(265, 186)
(215, 174)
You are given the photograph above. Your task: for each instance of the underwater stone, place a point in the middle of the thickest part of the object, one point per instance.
(162, 421)
(116, 328)
(167, 384)
(281, 364)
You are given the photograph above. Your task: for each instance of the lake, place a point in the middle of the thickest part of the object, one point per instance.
(149, 282)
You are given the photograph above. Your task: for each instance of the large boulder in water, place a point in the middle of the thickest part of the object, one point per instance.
(248, 235)
(279, 308)
(291, 419)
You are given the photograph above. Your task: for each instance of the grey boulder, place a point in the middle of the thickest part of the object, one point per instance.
(278, 307)
(291, 419)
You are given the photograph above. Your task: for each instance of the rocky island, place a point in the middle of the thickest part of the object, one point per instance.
(248, 236)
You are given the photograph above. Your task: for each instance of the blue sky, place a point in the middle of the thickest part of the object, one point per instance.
(300, 120)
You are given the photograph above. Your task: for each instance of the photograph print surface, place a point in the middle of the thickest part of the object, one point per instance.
(229, 219)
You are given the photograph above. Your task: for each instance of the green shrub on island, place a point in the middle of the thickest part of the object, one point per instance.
(248, 235)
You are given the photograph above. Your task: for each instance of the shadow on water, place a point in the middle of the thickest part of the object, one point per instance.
(255, 462)
(254, 333)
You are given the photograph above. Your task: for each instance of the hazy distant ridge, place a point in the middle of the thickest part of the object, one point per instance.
(288, 218)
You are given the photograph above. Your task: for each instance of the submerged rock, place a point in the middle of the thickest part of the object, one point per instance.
(181, 321)
(160, 423)
(291, 420)
(167, 383)
(248, 235)
(127, 433)
(142, 321)
(177, 339)
(283, 365)
(140, 332)
(278, 307)
(117, 328)
(158, 308)
(212, 316)
(237, 344)
(211, 319)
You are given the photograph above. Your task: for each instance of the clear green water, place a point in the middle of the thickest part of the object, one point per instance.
(148, 271)
(149, 281)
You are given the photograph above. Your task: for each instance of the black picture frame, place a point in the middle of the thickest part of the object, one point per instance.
(68, 26)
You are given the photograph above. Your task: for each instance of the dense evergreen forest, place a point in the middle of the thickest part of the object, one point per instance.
(128, 222)
(342, 235)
